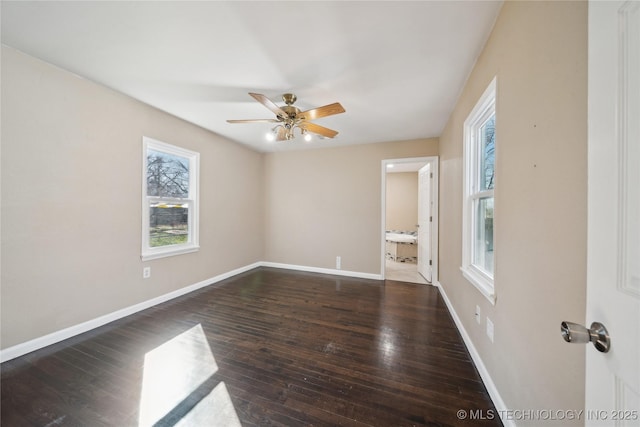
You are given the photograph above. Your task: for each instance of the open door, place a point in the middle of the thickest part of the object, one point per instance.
(427, 168)
(613, 254)
(425, 222)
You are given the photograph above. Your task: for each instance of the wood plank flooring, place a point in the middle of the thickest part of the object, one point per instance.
(268, 347)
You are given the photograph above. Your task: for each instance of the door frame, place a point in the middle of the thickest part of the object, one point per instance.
(434, 161)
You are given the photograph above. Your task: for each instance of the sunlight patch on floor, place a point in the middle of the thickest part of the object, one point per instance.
(179, 386)
(215, 410)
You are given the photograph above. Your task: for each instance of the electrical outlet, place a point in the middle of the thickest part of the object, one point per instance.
(478, 316)
(146, 272)
(490, 329)
(338, 263)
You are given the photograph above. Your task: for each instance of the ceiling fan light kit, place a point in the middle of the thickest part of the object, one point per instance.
(289, 118)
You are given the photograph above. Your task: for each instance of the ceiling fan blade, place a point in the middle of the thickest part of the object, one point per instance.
(253, 121)
(320, 130)
(327, 110)
(269, 104)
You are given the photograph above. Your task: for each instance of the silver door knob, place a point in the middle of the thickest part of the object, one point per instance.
(597, 334)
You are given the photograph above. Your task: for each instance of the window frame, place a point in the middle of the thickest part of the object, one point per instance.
(192, 244)
(481, 113)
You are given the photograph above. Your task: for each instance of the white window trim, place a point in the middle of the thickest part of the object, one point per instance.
(149, 253)
(485, 106)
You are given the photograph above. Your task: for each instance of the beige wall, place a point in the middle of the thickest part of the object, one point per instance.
(71, 207)
(402, 201)
(71, 201)
(71, 174)
(538, 51)
(327, 202)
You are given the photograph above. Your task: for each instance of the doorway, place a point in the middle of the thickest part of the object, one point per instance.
(409, 225)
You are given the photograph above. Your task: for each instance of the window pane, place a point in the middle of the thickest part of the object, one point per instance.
(483, 254)
(167, 175)
(168, 224)
(487, 153)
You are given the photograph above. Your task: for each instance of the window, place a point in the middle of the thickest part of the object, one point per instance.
(169, 200)
(478, 259)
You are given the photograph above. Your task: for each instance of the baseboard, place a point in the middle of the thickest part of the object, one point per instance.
(322, 270)
(475, 356)
(54, 337)
(46, 340)
(61, 335)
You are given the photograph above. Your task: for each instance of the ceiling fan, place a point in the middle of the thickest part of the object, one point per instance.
(289, 117)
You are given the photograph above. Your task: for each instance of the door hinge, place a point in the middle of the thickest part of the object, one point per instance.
(431, 175)
(430, 262)
(430, 219)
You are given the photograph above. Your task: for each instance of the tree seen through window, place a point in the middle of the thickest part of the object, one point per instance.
(167, 178)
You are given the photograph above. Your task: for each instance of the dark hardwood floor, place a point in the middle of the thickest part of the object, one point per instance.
(267, 347)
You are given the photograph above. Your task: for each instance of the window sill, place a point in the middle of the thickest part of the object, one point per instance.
(167, 252)
(481, 282)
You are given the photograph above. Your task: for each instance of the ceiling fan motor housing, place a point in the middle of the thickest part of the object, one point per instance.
(291, 111)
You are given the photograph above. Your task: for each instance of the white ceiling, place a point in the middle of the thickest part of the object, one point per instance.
(396, 67)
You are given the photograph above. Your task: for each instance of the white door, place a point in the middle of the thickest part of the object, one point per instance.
(424, 222)
(613, 255)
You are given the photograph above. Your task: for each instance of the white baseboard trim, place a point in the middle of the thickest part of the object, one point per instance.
(482, 369)
(323, 270)
(54, 337)
(61, 335)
